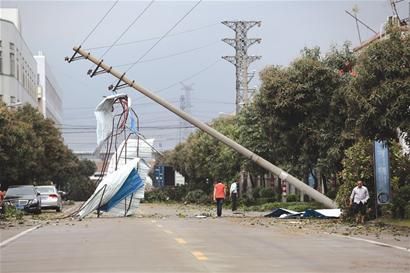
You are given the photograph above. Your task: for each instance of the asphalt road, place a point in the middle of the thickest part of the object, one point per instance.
(188, 244)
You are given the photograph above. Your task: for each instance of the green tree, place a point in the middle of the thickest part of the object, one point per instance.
(379, 96)
(32, 151)
(298, 111)
(201, 157)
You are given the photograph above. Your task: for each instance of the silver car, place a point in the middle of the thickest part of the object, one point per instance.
(50, 198)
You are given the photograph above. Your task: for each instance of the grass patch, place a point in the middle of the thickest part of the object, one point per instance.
(395, 222)
(11, 213)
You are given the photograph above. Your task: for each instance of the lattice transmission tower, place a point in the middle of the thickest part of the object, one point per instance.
(186, 106)
(242, 60)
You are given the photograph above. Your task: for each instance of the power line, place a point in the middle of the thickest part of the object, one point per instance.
(99, 22)
(155, 38)
(170, 55)
(187, 78)
(163, 36)
(129, 26)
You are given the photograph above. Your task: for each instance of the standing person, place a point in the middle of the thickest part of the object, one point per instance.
(358, 201)
(233, 191)
(219, 196)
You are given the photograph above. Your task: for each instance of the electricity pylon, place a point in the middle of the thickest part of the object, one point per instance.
(241, 60)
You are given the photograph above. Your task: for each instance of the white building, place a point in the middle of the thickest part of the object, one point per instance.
(18, 68)
(50, 101)
(25, 78)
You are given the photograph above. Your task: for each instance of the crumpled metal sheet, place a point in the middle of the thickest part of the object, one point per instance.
(104, 116)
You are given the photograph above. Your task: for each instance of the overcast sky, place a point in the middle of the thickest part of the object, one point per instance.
(54, 27)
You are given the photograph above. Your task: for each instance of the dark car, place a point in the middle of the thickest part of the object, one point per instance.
(24, 198)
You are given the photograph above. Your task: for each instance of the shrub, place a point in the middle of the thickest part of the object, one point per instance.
(156, 195)
(267, 193)
(401, 202)
(10, 213)
(292, 198)
(263, 200)
(81, 189)
(256, 192)
(357, 165)
(246, 201)
(197, 197)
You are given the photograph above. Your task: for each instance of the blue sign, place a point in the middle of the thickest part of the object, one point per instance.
(159, 178)
(382, 172)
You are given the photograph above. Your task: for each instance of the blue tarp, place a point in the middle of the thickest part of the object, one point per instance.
(130, 186)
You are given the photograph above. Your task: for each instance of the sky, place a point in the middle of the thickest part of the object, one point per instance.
(191, 53)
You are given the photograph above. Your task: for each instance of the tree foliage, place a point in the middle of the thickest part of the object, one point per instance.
(317, 117)
(32, 152)
(379, 98)
(202, 159)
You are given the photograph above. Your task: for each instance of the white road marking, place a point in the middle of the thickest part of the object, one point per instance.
(373, 242)
(6, 242)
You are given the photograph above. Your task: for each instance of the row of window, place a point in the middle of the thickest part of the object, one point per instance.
(20, 69)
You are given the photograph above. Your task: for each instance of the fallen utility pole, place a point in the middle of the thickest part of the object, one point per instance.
(123, 81)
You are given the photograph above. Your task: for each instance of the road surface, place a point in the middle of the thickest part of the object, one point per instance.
(187, 244)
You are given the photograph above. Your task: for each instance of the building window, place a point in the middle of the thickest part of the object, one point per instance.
(12, 65)
(1, 63)
(17, 65)
(12, 46)
(18, 69)
(0, 44)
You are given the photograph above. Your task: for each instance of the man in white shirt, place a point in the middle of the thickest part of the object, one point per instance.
(233, 190)
(358, 201)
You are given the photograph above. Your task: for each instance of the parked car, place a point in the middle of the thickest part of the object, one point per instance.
(23, 197)
(50, 198)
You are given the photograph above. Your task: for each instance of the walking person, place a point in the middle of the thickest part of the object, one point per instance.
(233, 191)
(358, 201)
(219, 197)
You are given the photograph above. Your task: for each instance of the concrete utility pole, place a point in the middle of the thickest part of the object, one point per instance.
(123, 81)
(241, 60)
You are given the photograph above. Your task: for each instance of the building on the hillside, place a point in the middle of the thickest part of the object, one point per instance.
(18, 68)
(25, 78)
(49, 98)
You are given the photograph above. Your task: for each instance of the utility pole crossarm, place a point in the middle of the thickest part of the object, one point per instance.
(210, 131)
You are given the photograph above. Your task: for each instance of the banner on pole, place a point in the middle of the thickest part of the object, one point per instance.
(382, 172)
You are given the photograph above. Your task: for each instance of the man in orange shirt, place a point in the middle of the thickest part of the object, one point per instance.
(219, 196)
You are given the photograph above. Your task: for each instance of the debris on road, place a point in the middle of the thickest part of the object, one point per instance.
(309, 213)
